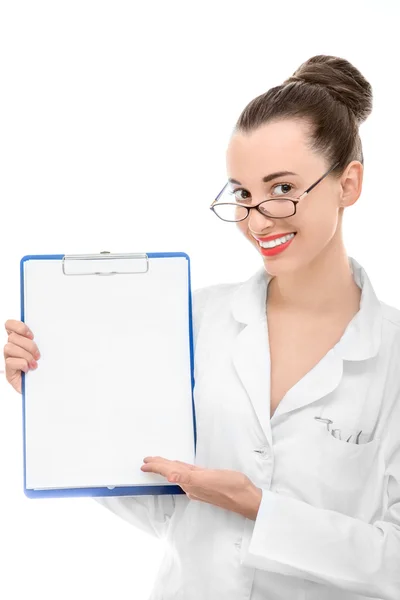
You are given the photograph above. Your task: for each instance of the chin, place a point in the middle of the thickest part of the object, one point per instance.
(279, 266)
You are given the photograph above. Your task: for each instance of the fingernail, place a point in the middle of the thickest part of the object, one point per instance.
(37, 355)
(33, 364)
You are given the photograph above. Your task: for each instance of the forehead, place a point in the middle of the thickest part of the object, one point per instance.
(277, 146)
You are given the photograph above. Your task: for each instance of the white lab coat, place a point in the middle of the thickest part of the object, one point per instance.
(328, 527)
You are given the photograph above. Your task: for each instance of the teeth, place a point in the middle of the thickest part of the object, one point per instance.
(277, 242)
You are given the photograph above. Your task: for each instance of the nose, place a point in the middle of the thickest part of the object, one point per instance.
(258, 222)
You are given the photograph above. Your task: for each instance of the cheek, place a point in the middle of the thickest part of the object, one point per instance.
(319, 226)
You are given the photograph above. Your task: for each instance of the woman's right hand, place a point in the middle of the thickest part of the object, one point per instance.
(20, 352)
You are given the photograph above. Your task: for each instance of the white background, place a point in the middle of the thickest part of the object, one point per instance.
(114, 122)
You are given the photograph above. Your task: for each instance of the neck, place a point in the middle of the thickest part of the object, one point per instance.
(324, 286)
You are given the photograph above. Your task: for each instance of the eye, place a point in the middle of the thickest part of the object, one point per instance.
(240, 195)
(287, 187)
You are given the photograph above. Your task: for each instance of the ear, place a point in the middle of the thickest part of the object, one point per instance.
(351, 183)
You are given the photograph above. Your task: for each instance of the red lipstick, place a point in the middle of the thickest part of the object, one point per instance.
(275, 249)
(272, 237)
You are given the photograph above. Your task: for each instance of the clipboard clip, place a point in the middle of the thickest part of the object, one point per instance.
(76, 264)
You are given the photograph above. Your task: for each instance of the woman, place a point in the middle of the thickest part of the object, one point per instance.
(296, 489)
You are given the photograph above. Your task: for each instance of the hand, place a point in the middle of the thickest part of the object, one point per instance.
(227, 489)
(20, 353)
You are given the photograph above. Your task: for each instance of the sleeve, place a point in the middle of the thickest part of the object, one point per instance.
(293, 538)
(152, 514)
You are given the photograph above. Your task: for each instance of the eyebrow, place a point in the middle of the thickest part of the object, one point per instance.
(267, 178)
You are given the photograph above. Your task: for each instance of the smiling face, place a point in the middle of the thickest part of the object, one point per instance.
(282, 146)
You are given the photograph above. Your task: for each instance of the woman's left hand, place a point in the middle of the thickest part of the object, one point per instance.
(227, 489)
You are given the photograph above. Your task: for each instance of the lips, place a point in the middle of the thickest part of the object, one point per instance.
(277, 248)
(273, 237)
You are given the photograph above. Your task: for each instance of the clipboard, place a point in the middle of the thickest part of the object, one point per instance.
(116, 375)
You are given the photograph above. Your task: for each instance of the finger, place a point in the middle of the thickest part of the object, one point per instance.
(25, 343)
(14, 351)
(168, 469)
(185, 477)
(19, 327)
(148, 459)
(188, 465)
(159, 459)
(16, 364)
(157, 466)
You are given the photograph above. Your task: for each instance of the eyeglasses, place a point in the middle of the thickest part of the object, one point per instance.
(274, 208)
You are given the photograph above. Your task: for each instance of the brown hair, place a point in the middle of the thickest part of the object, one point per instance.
(329, 93)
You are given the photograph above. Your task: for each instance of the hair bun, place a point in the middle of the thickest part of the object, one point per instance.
(341, 79)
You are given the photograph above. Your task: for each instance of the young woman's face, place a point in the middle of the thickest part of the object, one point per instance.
(281, 146)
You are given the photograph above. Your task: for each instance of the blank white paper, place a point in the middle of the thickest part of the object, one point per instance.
(113, 383)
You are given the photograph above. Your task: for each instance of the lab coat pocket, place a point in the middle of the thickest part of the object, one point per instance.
(350, 475)
(349, 463)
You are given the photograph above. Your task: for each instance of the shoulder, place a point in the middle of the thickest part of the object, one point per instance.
(391, 315)
(207, 298)
(201, 296)
(208, 295)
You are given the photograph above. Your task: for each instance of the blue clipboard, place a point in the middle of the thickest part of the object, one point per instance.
(100, 264)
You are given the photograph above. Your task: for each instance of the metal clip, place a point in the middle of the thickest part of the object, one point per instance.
(336, 435)
(327, 421)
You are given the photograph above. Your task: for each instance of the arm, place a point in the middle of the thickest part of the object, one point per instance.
(294, 538)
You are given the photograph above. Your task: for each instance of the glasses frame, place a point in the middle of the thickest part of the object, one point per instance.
(295, 200)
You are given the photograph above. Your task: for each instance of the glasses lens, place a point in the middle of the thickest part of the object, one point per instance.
(230, 212)
(279, 208)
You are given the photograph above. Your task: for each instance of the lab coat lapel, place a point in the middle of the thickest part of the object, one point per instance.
(252, 362)
(317, 383)
(362, 338)
(251, 355)
(250, 350)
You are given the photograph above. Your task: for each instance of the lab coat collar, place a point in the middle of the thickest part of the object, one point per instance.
(362, 337)
(251, 353)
